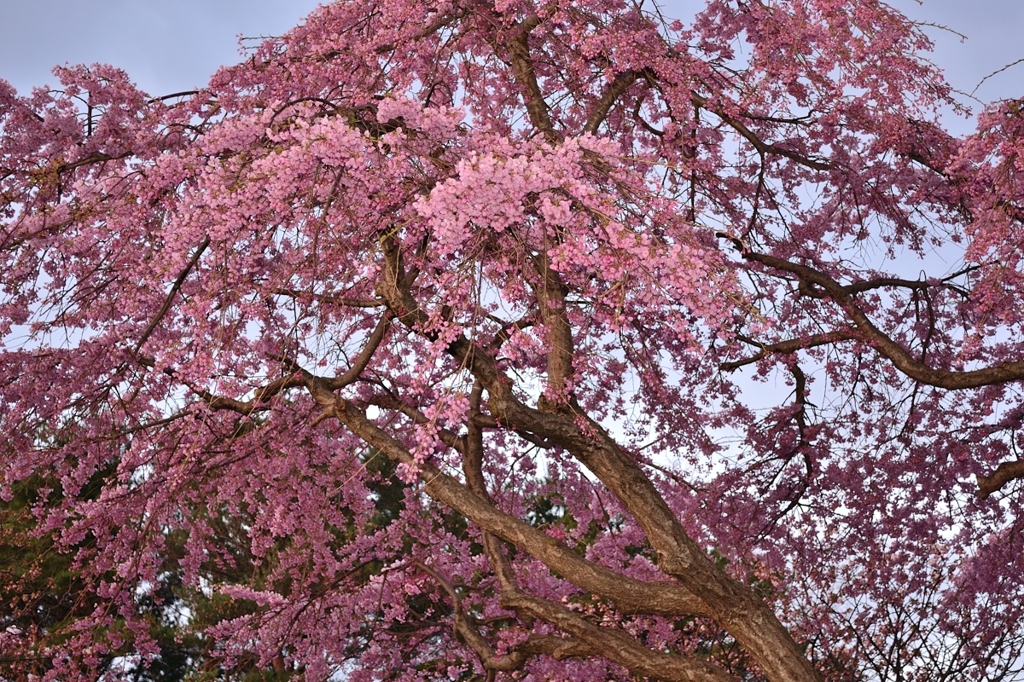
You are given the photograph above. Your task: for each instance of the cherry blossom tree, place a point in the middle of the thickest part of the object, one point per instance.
(530, 341)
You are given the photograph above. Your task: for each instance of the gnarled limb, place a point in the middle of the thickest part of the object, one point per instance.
(522, 69)
(619, 85)
(550, 294)
(628, 595)
(1003, 474)
(586, 637)
(365, 355)
(295, 379)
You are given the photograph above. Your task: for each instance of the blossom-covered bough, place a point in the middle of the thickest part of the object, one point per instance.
(428, 340)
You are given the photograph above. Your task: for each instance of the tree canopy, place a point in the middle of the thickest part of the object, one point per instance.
(507, 340)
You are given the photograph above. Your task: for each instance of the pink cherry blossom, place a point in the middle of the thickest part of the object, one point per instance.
(523, 341)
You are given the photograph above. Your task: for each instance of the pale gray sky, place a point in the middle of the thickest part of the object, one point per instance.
(993, 29)
(172, 45)
(164, 45)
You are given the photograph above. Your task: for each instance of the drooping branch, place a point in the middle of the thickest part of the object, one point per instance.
(330, 299)
(174, 95)
(786, 347)
(899, 356)
(94, 157)
(762, 147)
(466, 630)
(439, 22)
(172, 294)
(447, 436)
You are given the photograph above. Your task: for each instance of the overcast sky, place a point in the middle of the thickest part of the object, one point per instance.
(164, 45)
(172, 45)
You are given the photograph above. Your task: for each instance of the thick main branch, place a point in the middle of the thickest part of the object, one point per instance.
(734, 606)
